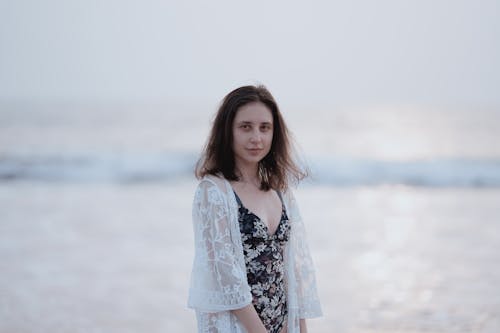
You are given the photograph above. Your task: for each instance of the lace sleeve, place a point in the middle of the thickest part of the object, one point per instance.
(304, 276)
(218, 282)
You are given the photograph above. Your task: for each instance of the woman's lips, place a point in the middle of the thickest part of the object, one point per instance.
(254, 151)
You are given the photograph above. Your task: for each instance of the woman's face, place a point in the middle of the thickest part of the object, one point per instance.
(252, 133)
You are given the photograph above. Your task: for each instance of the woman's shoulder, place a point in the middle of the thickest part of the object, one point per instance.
(211, 189)
(213, 181)
(287, 193)
(289, 198)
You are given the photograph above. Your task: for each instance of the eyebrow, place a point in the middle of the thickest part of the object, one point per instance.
(245, 122)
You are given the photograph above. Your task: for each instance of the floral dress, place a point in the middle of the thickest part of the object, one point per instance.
(263, 254)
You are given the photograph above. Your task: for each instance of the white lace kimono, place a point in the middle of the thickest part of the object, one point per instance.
(218, 280)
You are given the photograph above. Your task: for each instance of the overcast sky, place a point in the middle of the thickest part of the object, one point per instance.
(309, 53)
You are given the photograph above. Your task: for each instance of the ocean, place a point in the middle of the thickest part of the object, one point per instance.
(401, 210)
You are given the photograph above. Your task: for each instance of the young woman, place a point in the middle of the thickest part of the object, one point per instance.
(252, 270)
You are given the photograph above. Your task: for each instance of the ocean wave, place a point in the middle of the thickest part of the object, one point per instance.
(437, 172)
(121, 168)
(173, 166)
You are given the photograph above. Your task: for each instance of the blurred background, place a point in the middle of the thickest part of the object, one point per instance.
(105, 107)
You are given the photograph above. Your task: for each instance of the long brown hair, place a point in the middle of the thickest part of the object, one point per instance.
(276, 169)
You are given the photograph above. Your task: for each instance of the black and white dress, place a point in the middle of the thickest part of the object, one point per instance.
(264, 261)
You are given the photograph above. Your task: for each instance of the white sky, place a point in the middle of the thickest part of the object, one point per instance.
(307, 53)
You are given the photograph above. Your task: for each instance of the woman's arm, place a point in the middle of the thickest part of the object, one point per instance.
(250, 319)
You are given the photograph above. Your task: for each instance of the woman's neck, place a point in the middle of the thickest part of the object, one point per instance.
(248, 174)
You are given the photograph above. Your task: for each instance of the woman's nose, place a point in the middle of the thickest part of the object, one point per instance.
(256, 136)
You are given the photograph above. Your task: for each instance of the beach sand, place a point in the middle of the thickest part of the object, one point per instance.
(117, 258)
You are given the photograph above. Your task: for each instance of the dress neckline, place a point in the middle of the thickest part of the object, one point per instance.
(240, 202)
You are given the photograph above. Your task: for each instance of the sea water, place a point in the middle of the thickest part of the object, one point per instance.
(401, 211)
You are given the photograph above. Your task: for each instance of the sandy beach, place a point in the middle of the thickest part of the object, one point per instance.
(117, 258)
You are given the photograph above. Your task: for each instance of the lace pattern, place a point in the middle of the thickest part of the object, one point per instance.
(218, 282)
(218, 279)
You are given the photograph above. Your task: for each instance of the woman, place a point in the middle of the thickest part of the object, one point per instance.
(252, 269)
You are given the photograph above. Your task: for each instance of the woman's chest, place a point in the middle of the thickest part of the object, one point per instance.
(265, 206)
